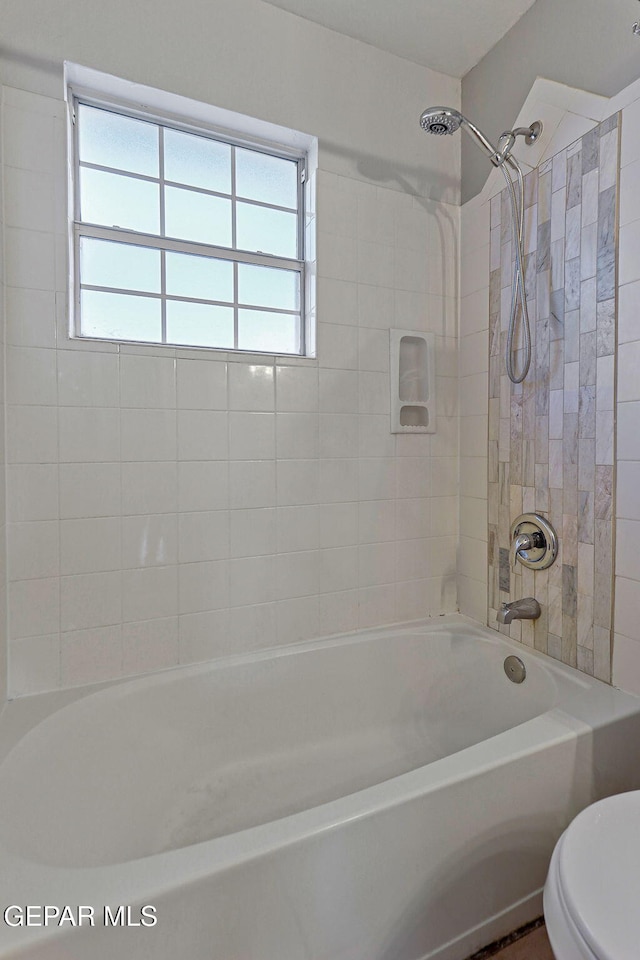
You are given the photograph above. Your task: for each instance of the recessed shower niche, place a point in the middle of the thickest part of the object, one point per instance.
(412, 382)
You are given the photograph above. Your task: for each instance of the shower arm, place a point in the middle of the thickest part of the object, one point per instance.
(530, 134)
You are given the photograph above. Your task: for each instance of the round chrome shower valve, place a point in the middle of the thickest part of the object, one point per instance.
(542, 548)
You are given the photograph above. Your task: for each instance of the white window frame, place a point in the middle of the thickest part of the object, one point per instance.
(195, 120)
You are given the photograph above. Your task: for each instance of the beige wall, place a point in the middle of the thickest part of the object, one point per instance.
(586, 44)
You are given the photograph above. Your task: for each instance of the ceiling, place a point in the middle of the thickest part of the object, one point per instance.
(447, 35)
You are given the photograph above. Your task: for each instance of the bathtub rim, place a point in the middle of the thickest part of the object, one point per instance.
(148, 878)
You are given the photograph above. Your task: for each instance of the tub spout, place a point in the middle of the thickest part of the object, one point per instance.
(527, 609)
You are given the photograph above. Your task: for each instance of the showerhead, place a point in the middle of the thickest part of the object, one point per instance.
(441, 120)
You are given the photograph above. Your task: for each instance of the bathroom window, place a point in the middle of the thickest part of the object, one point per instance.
(185, 237)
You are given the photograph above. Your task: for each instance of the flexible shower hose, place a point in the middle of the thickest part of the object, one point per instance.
(517, 219)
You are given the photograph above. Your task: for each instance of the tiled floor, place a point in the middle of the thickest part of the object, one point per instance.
(535, 946)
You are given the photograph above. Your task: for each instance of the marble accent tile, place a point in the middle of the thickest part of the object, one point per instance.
(585, 660)
(558, 215)
(586, 465)
(530, 189)
(585, 516)
(607, 244)
(602, 653)
(603, 582)
(572, 284)
(590, 184)
(574, 180)
(606, 327)
(551, 438)
(559, 171)
(572, 336)
(573, 231)
(587, 358)
(590, 150)
(604, 492)
(544, 197)
(505, 572)
(588, 306)
(588, 251)
(557, 264)
(611, 123)
(569, 641)
(608, 164)
(604, 437)
(494, 249)
(587, 412)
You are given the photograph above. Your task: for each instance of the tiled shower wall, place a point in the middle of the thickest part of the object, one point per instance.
(551, 438)
(168, 506)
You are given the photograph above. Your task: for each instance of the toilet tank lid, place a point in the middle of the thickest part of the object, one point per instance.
(599, 875)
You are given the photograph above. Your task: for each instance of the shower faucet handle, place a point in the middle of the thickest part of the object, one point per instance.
(533, 542)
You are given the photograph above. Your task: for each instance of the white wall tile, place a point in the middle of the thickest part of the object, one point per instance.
(34, 607)
(88, 379)
(252, 483)
(252, 533)
(626, 664)
(90, 546)
(251, 387)
(149, 541)
(201, 435)
(201, 384)
(628, 433)
(30, 317)
(252, 580)
(252, 436)
(88, 656)
(33, 550)
(34, 665)
(628, 249)
(90, 600)
(203, 586)
(203, 536)
(147, 381)
(149, 592)
(203, 636)
(91, 434)
(32, 491)
(29, 259)
(149, 645)
(32, 434)
(202, 485)
(298, 528)
(149, 488)
(297, 389)
(297, 482)
(31, 375)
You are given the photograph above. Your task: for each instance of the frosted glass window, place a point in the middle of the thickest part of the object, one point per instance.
(266, 178)
(104, 263)
(200, 278)
(268, 332)
(197, 217)
(116, 316)
(111, 140)
(116, 201)
(185, 237)
(197, 161)
(265, 230)
(268, 287)
(199, 324)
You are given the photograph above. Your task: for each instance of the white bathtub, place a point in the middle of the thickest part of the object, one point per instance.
(388, 796)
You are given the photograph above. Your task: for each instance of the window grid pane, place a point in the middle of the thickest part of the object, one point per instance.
(189, 245)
